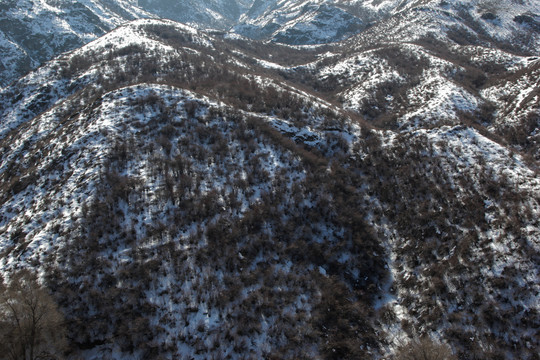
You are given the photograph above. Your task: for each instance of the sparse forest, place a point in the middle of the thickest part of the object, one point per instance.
(196, 195)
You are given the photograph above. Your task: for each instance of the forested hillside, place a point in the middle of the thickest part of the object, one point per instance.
(182, 193)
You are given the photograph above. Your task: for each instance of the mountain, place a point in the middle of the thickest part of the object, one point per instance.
(185, 193)
(299, 22)
(322, 21)
(221, 14)
(34, 31)
(143, 149)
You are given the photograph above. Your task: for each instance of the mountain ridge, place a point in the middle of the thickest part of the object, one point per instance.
(28, 41)
(191, 193)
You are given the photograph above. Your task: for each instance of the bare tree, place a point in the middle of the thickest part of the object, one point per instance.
(425, 349)
(31, 327)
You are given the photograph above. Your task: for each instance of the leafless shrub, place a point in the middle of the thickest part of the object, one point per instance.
(31, 326)
(424, 349)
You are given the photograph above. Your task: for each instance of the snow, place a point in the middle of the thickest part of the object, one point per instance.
(79, 24)
(78, 148)
(271, 65)
(517, 97)
(125, 36)
(437, 99)
(308, 22)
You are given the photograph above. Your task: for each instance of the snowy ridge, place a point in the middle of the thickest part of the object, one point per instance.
(185, 193)
(63, 25)
(40, 30)
(471, 21)
(292, 22)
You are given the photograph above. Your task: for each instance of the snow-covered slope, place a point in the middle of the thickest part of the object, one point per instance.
(221, 14)
(323, 21)
(34, 31)
(185, 194)
(301, 23)
(126, 174)
(434, 64)
(464, 22)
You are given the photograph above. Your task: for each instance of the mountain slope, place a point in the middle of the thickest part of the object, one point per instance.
(205, 14)
(184, 194)
(294, 22)
(314, 22)
(240, 177)
(34, 31)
